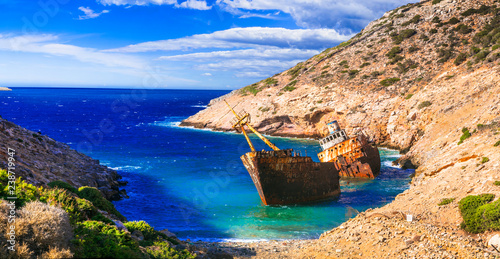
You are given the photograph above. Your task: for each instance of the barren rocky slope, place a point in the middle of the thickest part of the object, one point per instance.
(40, 160)
(425, 79)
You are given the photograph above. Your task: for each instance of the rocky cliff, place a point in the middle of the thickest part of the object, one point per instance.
(40, 160)
(424, 78)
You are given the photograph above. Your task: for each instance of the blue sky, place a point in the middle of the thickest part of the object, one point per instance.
(214, 44)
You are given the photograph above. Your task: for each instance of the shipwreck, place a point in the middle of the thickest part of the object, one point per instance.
(284, 176)
(352, 156)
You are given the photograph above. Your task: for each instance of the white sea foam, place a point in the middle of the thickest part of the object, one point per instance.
(238, 240)
(199, 106)
(169, 124)
(389, 164)
(126, 168)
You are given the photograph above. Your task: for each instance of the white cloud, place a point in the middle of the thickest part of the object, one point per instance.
(137, 2)
(259, 53)
(206, 74)
(249, 37)
(339, 14)
(252, 74)
(189, 4)
(194, 4)
(245, 65)
(89, 13)
(47, 44)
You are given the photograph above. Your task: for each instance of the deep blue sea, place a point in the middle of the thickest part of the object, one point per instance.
(189, 181)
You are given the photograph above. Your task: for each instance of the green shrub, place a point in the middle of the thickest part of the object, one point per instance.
(445, 54)
(497, 183)
(290, 86)
(408, 96)
(497, 144)
(270, 81)
(149, 233)
(405, 34)
(436, 1)
(469, 204)
(376, 73)
(495, 47)
(94, 239)
(436, 19)
(460, 59)
(415, 19)
(253, 89)
(364, 65)
(343, 62)
(424, 104)
(463, 29)
(393, 52)
(446, 201)
(389, 81)
(95, 196)
(482, 10)
(353, 73)
(160, 250)
(478, 214)
(465, 135)
(413, 49)
(453, 20)
(474, 50)
(484, 160)
(100, 217)
(78, 209)
(396, 59)
(482, 55)
(63, 185)
(24, 192)
(294, 71)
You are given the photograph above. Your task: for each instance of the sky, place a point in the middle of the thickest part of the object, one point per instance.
(172, 44)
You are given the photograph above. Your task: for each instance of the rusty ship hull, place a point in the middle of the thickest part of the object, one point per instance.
(354, 157)
(282, 178)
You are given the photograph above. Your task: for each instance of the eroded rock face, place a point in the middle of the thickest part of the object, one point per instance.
(40, 160)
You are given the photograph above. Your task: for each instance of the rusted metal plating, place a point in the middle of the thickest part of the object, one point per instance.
(353, 157)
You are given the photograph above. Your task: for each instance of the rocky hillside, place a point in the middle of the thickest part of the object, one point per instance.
(430, 65)
(40, 160)
(425, 79)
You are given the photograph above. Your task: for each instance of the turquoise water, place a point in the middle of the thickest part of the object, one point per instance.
(187, 180)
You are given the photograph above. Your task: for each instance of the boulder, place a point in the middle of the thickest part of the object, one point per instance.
(137, 235)
(495, 242)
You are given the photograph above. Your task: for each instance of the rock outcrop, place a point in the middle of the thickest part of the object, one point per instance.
(5, 89)
(40, 160)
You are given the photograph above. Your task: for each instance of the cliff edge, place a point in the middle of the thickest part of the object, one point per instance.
(40, 160)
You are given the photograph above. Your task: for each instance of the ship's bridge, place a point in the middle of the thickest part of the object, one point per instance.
(336, 136)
